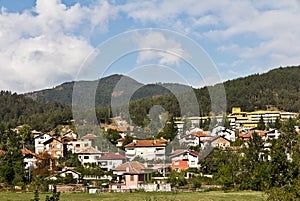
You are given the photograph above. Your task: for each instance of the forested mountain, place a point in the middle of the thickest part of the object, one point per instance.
(279, 87)
(17, 110)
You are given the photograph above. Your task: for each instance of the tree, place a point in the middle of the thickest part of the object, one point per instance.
(261, 124)
(25, 134)
(169, 131)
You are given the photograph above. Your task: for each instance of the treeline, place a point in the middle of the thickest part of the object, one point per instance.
(17, 110)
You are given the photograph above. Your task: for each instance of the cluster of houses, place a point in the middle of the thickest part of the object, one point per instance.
(134, 167)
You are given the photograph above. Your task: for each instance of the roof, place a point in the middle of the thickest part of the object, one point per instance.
(89, 150)
(121, 139)
(132, 167)
(89, 136)
(201, 133)
(259, 132)
(182, 151)
(51, 140)
(26, 152)
(2, 152)
(148, 143)
(112, 156)
(220, 140)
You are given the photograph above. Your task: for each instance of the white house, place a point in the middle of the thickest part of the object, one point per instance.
(184, 159)
(38, 142)
(79, 145)
(89, 156)
(220, 142)
(110, 161)
(223, 132)
(146, 149)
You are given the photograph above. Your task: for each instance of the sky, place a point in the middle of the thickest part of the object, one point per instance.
(44, 43)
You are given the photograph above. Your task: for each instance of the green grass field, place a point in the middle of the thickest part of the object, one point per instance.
(205, 196)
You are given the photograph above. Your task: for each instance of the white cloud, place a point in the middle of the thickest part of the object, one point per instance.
(38, 47)
(159, 47)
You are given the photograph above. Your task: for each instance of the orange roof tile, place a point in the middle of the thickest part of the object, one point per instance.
(220, 140)
(132, 167)
(148, 143)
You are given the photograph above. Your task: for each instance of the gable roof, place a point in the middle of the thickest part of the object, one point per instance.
(51, 140)
(89, 136)
(148, 143)
(182, 151)
(220, 140)
(89, 150)
(26, 152)
(132, 167)
(112, 156)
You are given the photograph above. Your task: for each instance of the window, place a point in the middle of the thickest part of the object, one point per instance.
(77, 145)
(131, 177)
(176, 163)
(86, 157)
(58, 146)
(58, 152)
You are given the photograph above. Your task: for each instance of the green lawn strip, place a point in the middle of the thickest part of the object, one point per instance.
(156, 196)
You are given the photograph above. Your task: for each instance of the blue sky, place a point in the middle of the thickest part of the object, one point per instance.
(45, 43)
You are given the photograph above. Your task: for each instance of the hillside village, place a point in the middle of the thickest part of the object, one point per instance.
(76, 162)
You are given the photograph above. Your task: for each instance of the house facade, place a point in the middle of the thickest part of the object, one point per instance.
(110, 161)
(146, 149)
(39, 139)
(89, 156)
(54, 147)
(131, 175)
(184, 159)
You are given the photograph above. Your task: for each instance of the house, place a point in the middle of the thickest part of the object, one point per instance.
(272, 134)
(131, 175)
(39, 139)
(30, 158)
(146, 149)
(89, 156)
(71, 134)
(220, 142)
(184, 159)
(120, 142)
(110, 161)
(224, 132)
(54, 147)
(77, 146)
(89, 137)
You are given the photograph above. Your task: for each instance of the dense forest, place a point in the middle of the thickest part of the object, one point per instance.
(279, 87)
(45, 109)
(17, 110)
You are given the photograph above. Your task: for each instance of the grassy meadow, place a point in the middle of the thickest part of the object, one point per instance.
(205, 196)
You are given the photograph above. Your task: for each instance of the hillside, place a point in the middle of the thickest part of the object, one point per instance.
(279, 87)
(17, 110)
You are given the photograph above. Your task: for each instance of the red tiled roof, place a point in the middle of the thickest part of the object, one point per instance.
(148, 143)
(112, 156)
(201, 134)
(2, 152)
(220, 140)
(259, 132)
(89, 136)
(121, 139)
(25, 151)
(132, 167)
(181, 151)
